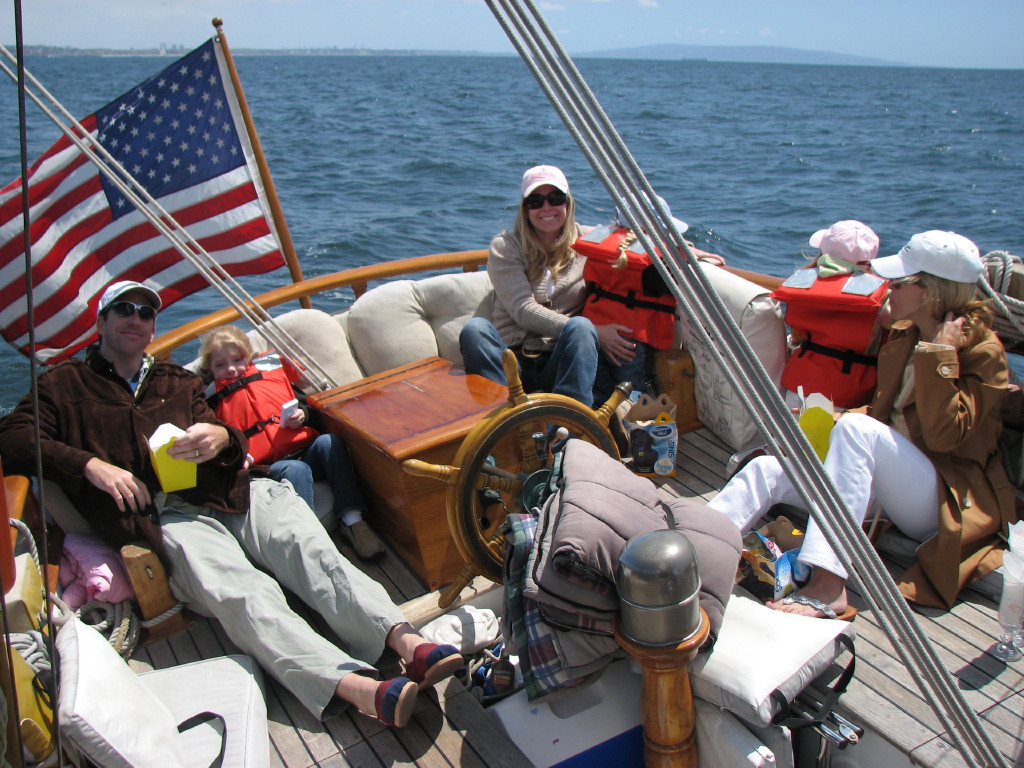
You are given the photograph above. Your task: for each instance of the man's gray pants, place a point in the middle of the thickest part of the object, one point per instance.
(216, 560)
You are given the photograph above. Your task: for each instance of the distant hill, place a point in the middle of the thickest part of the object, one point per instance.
(764, 54)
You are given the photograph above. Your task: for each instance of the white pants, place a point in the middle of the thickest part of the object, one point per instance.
(868, 461)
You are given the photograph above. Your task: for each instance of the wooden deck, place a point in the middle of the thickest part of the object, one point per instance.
(451, 729)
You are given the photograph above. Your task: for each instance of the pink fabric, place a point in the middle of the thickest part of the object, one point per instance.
(92, 570)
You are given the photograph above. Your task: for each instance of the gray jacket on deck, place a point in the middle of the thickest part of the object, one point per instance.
(584, 526)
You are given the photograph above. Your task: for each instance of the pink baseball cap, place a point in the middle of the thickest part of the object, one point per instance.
(540, 175)
(848, 240)
(943, 254)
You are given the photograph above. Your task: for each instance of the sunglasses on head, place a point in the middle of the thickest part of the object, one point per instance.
(895, 285)
(127, 309)
(555, 198)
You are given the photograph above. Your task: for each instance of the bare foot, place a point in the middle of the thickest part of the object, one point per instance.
(404, 640)
(359, 690)
(823, 585)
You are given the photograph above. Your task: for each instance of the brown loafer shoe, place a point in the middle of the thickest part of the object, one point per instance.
(364, 541)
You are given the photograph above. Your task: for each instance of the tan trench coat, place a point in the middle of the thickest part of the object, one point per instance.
(953, 416)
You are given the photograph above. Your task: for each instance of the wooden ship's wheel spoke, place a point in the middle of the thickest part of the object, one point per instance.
(503, 466)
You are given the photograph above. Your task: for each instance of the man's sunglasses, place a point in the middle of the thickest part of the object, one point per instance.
(127, 309)
(555, 198)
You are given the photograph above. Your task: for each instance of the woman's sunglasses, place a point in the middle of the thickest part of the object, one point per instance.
(554, 198)
(895, 285)
(127, 309)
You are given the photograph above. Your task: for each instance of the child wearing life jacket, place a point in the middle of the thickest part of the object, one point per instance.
(833, 308)
(255, 394)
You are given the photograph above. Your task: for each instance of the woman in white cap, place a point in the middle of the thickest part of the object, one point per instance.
(927, 452)
(538, 294)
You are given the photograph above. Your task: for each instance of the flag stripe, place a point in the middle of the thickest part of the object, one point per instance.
(180, 135)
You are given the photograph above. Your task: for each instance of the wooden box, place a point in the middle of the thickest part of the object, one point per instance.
(418, 411)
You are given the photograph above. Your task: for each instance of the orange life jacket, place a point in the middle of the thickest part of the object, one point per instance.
(625, 288)
(835, 316)
(253, 403)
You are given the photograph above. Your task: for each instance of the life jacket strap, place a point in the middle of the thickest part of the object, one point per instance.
(847, 356)
(630, 300)
(215, 399)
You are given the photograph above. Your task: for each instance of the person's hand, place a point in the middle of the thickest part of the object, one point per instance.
(950, 331)
(619, 349)
(201, 442)
(710, 258)
(128, 492)
(295, 420)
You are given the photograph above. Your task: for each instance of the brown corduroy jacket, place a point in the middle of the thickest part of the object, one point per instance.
(953, 416)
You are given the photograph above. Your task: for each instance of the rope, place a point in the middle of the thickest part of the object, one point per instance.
(674, 258)
(117, 621)
(995, 283)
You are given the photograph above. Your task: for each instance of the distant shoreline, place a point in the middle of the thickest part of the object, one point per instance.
(664, 52)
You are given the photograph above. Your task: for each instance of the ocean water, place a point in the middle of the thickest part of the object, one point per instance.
(380, 157)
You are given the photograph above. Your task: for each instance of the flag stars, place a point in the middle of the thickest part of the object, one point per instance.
(192, 168)
(174, 87)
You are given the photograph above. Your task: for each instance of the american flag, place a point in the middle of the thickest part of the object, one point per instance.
(180, 134)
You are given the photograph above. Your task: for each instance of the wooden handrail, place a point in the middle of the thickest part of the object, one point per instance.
(357, 277)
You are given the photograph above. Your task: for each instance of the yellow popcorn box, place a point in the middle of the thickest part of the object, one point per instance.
(174, 474)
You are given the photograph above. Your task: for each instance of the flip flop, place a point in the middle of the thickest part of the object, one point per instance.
(847, 615)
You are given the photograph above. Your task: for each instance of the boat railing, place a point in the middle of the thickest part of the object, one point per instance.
(356, 278)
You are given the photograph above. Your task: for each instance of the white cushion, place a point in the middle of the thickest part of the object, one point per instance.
(724, 742)
(760, 320)
(759, 651)
(407, 320)
(230, 686)
(106, 711)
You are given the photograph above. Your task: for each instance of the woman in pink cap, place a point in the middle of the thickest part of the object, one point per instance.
(538, 295)
(927, 453)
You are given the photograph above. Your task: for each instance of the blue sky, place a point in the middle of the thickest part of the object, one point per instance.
(952, 33)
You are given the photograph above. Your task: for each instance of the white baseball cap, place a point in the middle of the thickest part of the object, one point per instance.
(540, 175)
(848, 240)
(943, 254)
(117, 290)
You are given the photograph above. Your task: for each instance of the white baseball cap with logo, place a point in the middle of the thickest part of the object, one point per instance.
(540, 175)
(117, 290)
(943, 254)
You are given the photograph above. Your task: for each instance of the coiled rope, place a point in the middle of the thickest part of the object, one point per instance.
(995, 283)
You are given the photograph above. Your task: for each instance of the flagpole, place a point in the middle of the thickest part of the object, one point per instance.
(261, 163)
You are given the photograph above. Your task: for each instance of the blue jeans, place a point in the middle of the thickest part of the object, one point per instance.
(569, 369)
(609, 374)
(324, 458)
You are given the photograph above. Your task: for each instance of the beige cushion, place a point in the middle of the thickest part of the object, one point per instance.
(760, 320)
(322, 337)
(407, 320)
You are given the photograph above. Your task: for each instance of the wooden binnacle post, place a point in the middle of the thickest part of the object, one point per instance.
(661, 625)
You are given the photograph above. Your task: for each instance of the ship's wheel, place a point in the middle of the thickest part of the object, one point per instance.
(503, 466)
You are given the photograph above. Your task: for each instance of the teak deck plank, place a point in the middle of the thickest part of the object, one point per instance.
(450, 728)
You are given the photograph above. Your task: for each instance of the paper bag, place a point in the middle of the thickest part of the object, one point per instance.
(173, 474)
(653, 436)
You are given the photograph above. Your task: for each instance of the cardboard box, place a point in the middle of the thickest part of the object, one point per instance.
(174, 474)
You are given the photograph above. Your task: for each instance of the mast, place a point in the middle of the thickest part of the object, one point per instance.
(261, 163)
